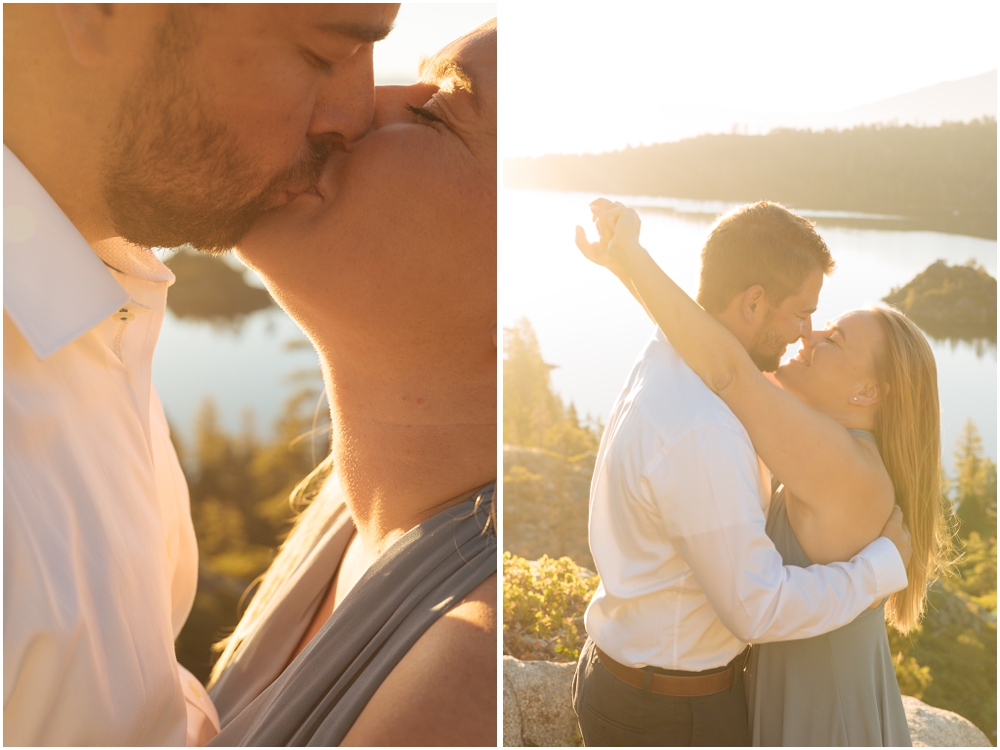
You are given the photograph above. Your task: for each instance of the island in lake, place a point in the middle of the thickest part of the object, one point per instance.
(209, 289)
(951, 302)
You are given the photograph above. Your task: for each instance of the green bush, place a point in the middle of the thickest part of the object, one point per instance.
(543, 605)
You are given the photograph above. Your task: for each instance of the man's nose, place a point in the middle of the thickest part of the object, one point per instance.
(807, 325)
(810, 338)
(345, 103)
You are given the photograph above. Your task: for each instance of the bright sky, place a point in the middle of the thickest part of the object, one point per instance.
(422, 29)
(600, 76)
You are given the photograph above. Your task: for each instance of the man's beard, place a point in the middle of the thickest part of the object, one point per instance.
(767, 347)
(175, 173)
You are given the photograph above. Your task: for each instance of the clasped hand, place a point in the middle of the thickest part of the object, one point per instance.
(617, 228)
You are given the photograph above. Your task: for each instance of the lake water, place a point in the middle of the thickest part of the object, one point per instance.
(254, 368)
(591, 328)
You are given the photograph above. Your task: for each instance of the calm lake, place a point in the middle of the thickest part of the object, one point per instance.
(592, 330)
(252, 368)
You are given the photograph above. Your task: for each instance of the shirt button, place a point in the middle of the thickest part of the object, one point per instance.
(124, 315)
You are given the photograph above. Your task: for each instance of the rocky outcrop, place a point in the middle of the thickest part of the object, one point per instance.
(546, 501)
(935, 727)
(537, 711)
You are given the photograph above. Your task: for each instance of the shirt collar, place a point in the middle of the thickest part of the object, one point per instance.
(55, 288)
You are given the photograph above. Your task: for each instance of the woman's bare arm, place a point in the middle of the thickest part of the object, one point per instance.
(812, 453)
(611, 265)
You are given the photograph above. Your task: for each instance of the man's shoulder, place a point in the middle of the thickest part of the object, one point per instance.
(673, 399)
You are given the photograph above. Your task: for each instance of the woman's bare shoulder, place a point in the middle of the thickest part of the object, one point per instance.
(444, 691)
(836, 531)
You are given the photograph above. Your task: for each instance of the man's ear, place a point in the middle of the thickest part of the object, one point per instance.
(754, 303)
(88, 30)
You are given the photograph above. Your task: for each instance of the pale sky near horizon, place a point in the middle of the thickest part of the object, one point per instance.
(421, 29)
(594, 77)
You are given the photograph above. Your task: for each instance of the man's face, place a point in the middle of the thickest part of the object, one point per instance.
(400, 239)
(784, 324)
(235, 113)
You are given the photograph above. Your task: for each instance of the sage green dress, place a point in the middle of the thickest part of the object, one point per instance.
(836, 689)
(317, 697)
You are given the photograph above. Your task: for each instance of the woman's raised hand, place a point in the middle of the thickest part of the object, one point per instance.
(617, 228)
(619, 220)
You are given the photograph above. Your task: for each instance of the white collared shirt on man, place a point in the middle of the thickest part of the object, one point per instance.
(677, 513)
(100, 558)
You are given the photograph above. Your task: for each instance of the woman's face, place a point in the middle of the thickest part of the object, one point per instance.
(399, 236)
(837, 365)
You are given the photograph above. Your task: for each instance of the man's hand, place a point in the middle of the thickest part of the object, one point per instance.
(896, 532)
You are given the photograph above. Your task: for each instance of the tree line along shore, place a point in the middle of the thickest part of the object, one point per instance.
(940, 178)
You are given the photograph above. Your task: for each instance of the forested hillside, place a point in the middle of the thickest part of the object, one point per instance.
(942, 178)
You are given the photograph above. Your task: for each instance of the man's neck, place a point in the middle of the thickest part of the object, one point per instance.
(411, 435)
(51, 121)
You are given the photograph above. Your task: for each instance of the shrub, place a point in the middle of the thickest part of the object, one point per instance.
(543, 605)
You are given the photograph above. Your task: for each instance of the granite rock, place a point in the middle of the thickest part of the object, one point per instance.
(537, 711)
(935, 727)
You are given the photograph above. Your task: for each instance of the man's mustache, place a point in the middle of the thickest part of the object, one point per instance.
(305, 173)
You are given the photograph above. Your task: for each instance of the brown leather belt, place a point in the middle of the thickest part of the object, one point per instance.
(665, 684)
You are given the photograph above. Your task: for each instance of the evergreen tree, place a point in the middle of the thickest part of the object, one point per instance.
(975, 487)
(533, 415)
(529, 405)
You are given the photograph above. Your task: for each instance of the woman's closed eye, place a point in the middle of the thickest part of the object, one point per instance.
(424, 114)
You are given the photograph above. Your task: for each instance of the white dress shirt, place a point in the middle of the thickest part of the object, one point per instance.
(677, 514)
(100, 561)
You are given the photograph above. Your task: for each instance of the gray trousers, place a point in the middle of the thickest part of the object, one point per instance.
(613, 713)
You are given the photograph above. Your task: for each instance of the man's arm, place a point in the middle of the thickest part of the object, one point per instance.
(706, 489)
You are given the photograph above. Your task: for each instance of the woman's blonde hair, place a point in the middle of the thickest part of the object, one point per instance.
(908, 429)
(309, 526)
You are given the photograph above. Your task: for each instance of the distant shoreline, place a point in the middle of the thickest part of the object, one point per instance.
(925, 179)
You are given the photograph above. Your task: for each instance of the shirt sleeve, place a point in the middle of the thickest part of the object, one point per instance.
(202, 717)
(705, 488)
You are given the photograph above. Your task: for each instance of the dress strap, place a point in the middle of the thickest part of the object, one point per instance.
(864, 434)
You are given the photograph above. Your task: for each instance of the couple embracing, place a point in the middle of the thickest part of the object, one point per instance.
(730, 506)
(370, 213)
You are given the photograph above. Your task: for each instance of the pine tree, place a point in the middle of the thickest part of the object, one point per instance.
(529, 404)
(974, 490)
(533, 414)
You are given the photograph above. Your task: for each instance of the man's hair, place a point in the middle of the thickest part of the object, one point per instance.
(759, 244)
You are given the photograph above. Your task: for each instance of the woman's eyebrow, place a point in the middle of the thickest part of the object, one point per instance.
(443, 71)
